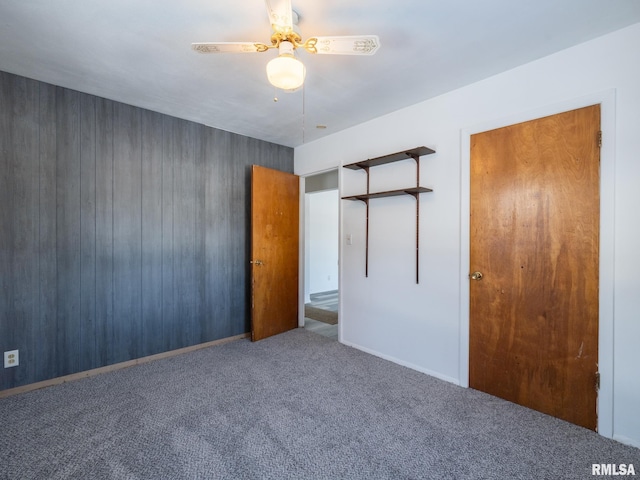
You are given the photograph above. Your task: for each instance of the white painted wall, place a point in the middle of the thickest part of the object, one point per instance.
(425, 326)
(322, 245)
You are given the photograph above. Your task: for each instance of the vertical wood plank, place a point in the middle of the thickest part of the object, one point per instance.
(88, 347)
(152, 248)
(184, 233)
(68, 229)
(46, 324)
(28, 251)
(168, 280)
(8, 121)
(104, 232)
(18, 223)
(240, 227)
(127, 232)
(219, 236)
(199, 255)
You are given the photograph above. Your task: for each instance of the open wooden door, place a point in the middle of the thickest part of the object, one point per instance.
(533, 318)
(275, 219)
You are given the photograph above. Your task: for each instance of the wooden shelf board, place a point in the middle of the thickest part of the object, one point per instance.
(394, 157)
(389, 193)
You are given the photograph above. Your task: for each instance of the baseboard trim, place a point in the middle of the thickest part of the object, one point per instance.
(410, 365)
(116, 366)
(627, 440)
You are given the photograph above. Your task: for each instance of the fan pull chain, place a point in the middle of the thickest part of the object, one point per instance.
(303, 113)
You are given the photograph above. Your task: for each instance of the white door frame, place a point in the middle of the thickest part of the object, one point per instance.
(607, 101)
(302, 246)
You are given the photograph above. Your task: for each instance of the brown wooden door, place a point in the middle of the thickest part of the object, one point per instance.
(535, 238)
(275, 201)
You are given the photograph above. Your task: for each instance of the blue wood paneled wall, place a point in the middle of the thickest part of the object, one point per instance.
(123, 232)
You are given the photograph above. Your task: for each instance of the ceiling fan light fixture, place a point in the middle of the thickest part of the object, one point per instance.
(286, 71)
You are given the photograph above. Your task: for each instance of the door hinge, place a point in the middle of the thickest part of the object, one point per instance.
(599, 139)
(597, 381)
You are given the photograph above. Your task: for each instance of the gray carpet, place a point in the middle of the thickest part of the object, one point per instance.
(296, 406)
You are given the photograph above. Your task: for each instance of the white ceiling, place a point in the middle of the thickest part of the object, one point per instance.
(138, 52)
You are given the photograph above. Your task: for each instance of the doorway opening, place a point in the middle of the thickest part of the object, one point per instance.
(321, 286)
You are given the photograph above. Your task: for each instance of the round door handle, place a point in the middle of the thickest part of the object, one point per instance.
(476, 276)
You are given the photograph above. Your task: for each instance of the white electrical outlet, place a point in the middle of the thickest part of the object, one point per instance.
(11, 359)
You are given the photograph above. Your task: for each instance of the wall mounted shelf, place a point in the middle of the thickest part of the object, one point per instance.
(390, 193)
(415, 192)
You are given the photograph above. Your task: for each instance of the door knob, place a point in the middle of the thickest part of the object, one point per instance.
(476, 276)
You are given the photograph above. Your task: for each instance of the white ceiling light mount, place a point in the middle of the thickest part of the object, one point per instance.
(286, 71)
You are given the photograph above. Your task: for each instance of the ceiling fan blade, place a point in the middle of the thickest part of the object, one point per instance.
(343, 45)
(280, 15)
(229, 47)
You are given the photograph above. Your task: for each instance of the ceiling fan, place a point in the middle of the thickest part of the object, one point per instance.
(286, 71)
